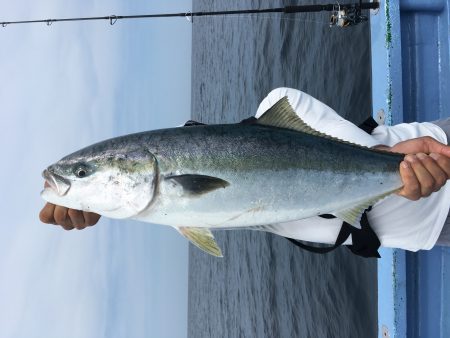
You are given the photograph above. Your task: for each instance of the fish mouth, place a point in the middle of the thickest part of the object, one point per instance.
(57, 183)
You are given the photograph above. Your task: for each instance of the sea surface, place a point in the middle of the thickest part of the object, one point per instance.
(265, 286)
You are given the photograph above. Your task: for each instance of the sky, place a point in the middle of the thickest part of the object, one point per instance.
(62, 88)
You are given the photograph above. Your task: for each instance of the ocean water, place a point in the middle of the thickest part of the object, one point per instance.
(265, 286)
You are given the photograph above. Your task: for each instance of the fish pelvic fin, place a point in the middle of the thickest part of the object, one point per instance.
(353, 215)
(202, 238)
(198, 184)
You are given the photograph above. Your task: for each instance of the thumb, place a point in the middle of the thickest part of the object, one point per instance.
(424, 144)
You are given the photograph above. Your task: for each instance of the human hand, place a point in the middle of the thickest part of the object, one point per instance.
(426, 167)
(67, 218)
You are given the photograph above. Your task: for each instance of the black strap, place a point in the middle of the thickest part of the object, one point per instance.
(342, 237)
(368, 125)
(365, 240)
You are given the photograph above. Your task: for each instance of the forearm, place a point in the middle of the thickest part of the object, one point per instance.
(444, 124)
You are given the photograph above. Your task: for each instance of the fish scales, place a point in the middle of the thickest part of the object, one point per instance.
(275, 174)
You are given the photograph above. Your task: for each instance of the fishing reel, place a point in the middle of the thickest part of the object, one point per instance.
(346, 16)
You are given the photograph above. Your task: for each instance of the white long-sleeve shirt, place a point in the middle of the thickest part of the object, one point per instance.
(398, 222)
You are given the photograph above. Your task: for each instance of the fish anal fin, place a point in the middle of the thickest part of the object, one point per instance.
(198, 184)
(203, 239)
(353, 215)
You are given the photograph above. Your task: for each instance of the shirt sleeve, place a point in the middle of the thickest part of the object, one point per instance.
(391, 135)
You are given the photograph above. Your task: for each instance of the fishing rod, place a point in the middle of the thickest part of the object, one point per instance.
(343, 15)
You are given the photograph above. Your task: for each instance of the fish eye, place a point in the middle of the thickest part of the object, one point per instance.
(81, 171)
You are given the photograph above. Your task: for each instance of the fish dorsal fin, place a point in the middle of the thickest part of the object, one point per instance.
(202, 238)
(191, 123)
(282, 115)
(353, 215)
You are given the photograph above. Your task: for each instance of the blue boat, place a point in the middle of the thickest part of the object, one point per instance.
(411, 82)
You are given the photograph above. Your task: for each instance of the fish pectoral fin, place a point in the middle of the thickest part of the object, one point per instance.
(198, 184)
(353, 215)
(202, 238)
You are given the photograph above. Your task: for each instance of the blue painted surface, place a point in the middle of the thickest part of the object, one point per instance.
(426, 95)
(387, 97)
(386, 62)
(411, 82)
(428, 293)
(392, 293)
(425, 59)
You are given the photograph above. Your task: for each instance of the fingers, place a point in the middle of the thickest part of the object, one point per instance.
(443, 162)
(424, 144)
(434, 146)
(411, 186)
(46, 214)
(68, 219)
(76, 218)
(422, 175)
(62, 217)
(90, 218)
(421, 166)
(438, 177)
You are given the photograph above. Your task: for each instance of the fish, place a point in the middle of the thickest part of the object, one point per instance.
(199, 178)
